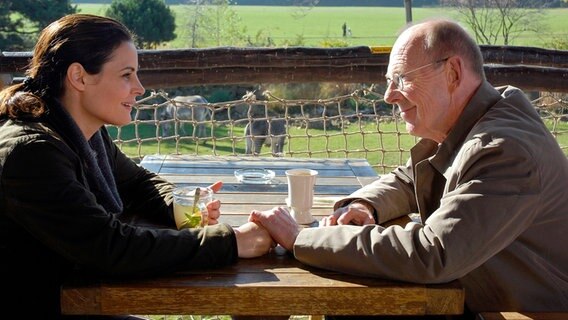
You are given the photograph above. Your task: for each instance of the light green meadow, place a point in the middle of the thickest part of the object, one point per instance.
(370, 26)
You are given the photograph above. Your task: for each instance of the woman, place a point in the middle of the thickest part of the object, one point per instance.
(64, 185)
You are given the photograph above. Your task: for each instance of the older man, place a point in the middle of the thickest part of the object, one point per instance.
(487, 177)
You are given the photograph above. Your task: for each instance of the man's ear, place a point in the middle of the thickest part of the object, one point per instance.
(76, 76)
(455, 72)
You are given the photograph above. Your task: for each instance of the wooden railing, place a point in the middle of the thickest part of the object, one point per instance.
(532, 69)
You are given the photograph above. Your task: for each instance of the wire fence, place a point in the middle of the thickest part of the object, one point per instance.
(356, 125)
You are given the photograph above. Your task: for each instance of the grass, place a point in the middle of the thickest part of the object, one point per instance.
(371, 26)
(352, 142)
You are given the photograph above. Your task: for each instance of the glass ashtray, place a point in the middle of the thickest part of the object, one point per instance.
(254, 176)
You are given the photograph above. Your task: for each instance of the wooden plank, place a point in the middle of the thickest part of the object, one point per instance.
(440, 300)
(153, 163)
(16, 62)
(227, 210)
(522, 316)
(362, 168)
(524, 55)
(280, 188)
(248, 161)
(229, 171)
(279, 179)
(258, 198)
(276, 291)
(81, 299)
(173, 68)
(274, 301)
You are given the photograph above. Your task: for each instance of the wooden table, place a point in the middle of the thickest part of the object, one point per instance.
(273, 285)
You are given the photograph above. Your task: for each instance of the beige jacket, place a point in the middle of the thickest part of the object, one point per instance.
(493, 198)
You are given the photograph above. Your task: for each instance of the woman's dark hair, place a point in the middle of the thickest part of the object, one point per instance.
(86, 39)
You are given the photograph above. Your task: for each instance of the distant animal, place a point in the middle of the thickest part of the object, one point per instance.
(184, 108)
(257, 134)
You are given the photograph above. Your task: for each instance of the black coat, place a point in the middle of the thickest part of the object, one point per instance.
(51, 223)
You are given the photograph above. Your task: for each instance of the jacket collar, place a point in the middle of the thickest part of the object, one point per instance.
(440, 156)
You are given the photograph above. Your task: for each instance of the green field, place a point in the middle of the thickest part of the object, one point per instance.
(370, 26)
(383, 142)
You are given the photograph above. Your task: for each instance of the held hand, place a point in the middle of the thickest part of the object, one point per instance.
(214, 207)
(253, 240)
(355, 213)
(282, 227)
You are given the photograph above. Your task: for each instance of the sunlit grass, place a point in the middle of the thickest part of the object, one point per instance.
(370, 26)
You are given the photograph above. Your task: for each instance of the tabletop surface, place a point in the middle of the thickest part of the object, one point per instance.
(272, 285)
(336, 178)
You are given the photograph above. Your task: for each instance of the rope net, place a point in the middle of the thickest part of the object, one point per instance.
(356, 125)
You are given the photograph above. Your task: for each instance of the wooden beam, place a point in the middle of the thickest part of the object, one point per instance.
(532, 69)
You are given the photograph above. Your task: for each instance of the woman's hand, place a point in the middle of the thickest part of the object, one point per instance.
(214, 207)
(253, 240)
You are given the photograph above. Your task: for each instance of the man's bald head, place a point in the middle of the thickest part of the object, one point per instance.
(441, 37)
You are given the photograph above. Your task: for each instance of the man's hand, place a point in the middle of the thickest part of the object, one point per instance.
(280, 224)
(214, 207)
(355, 213)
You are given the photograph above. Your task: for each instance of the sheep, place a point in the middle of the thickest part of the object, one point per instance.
(257, 133)
(186, 108)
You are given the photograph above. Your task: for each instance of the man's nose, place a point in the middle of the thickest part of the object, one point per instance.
(391, 93)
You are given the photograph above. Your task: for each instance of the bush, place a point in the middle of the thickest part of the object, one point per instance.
(557, 43)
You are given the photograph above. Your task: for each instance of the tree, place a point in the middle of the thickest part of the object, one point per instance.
(499, 20)
(151, 21)
(197, 16)
(215, 23)
(22, 20)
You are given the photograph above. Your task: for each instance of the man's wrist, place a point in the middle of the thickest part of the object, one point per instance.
(364, 203)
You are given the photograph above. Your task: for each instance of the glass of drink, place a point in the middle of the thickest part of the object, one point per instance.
(190, 206)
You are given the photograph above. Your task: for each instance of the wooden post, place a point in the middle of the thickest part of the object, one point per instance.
(5, 78)
(408, 8)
